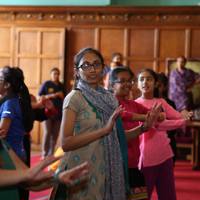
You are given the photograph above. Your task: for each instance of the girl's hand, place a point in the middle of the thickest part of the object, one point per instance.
(152, 116)
(161, 117)
(75, 175)
(186, 114)
(109, 126)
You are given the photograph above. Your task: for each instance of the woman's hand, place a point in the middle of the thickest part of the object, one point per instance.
(75, 175)
(3, 133)
(36, 174)
(109, 126)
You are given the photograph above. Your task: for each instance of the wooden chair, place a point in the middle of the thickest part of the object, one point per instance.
(186, 141)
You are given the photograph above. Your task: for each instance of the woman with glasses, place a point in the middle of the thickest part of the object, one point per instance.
(88, 133)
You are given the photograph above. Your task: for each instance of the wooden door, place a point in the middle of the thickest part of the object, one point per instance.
(6, 47)
(37, 50)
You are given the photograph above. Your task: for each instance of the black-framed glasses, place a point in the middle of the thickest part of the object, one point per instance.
(123, 81)
(86, 66)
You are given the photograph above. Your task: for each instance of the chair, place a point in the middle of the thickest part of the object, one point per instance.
(186, 141)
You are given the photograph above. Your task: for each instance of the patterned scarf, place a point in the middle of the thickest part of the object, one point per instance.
(105, 104)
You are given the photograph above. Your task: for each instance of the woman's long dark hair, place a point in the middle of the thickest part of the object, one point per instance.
(15, 77)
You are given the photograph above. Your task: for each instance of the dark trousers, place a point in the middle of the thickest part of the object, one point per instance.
(162, 177)
(50, 136)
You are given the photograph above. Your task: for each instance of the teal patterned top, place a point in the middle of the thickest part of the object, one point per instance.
(87, 120)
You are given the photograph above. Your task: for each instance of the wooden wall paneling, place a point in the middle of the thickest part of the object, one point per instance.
(187, 42)
(142, 43)
(126, 46)
(39, 60)
(156, 49)
(97, 38)
(37, 51)
(51, 55)
(78, 38)
(4, 60)
(112, 40)
(162, 66)
(27, 49)
(47, 64)
(136, 66)
(6, 47)
(30, 68)
(27, 52)
(81, 37)
(141, 48)
(172, 42)
(195, 43)
(52, 52)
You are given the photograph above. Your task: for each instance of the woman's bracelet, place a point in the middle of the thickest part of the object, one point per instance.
(56, 175)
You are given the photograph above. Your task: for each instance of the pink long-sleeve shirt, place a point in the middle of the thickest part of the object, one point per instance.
(154, 144)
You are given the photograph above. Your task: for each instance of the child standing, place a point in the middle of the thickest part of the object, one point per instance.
(156, 154)
(121, 79)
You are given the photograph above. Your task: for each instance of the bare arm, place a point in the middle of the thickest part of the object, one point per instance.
(134, 132)
(55, 95)
(71, 141)
(4, 125)
(23, 174)
(138, 117)
(151, 118)
(6, 180)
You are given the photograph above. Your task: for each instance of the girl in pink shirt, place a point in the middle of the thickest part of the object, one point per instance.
(155, 151)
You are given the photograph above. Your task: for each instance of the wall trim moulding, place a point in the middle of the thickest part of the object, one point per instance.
(96, 15)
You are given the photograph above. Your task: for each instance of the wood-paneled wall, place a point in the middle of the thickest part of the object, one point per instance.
(37, 38)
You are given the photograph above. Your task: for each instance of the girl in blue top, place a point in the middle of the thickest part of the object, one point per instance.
(11, 85)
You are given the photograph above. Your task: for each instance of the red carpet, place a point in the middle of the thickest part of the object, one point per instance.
(187, 183)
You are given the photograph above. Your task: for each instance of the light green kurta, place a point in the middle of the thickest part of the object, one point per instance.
(86, 121)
